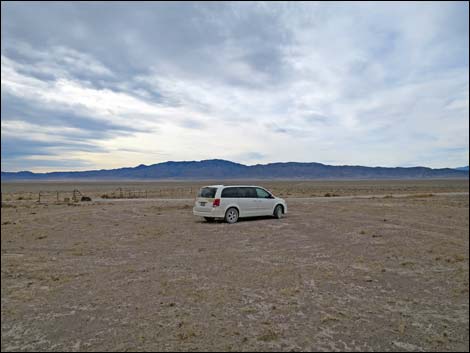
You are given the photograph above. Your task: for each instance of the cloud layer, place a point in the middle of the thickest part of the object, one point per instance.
(104, 85)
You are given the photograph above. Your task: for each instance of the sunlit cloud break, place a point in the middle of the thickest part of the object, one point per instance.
(107, 85)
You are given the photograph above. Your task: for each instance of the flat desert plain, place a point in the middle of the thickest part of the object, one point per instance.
(389, 272)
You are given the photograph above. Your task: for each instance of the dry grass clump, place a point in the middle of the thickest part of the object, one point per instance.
(420, 195)
(6, 205)
(328, 194)
(268, 336)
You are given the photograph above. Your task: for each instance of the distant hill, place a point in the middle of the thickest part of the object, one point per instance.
(222, 169)
(462, 168)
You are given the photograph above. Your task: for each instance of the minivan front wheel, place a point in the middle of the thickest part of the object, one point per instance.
(278, 212)
(231, 216)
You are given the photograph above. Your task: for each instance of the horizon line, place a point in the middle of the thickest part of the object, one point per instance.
(226, 160)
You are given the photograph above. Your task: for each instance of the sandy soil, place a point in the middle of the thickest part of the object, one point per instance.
(373, 274)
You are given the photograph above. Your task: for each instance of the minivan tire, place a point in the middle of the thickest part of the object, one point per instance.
(278, 212)
(231, 216)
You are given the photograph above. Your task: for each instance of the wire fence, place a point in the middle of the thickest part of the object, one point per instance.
(45, 196)
(61, 196)
(124, 193)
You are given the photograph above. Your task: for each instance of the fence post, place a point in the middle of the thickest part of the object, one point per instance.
(75, 193)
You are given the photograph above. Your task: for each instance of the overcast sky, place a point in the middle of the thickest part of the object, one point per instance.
(106, 85)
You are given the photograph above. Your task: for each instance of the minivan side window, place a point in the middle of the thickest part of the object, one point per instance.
(248, 193)
(262, 194)
(241, 192)
(230, 193)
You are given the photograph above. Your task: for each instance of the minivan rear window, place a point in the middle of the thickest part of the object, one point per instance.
(207, 192)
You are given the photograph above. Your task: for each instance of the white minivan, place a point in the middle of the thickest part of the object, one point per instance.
(235, 201)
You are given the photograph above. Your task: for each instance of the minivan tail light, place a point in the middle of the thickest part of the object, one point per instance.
(216, 203)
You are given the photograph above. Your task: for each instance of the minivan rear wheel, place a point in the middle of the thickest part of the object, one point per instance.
(231, 216)
(278, 212)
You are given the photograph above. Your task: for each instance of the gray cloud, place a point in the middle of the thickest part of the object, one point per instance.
(23, 153)
(87, 127)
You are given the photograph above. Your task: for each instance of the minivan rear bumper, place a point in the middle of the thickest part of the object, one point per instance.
(215, 212)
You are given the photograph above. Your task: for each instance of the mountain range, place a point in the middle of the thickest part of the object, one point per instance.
(221, 169)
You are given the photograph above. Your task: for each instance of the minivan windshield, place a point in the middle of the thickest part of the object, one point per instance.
(207, 192)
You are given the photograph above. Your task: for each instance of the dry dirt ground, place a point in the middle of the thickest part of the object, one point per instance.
(374, 274)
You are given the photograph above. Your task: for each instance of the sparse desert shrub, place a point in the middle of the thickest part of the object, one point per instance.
(328, 194)
(454, 259)
(188, 334)
(407, 263)
(6, 205)
(85, 198)
(459, 258)
(268, 336)
(328, 317)
(401, 327)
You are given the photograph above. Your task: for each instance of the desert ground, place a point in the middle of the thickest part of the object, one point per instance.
(385, 272)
